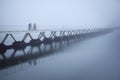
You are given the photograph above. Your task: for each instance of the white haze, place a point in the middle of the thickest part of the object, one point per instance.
(67, 13)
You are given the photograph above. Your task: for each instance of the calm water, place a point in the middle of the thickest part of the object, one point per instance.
(96, 58)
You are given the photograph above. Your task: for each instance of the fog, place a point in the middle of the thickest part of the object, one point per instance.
(68, 13)
(30, 52)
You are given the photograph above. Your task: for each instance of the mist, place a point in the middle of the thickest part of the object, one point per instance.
(68, 13)
(59, 39)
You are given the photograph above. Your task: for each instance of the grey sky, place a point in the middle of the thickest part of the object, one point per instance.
(60, 12)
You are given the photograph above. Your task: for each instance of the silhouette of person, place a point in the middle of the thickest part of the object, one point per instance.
(34, 26)
(29, 26)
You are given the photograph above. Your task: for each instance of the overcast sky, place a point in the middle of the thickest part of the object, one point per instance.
(60, 12)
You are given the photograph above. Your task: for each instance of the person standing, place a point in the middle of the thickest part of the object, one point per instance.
(29, 26)
(34, 26)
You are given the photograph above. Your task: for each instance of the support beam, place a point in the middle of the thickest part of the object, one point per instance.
(42, 34)
(6, 36)
(26, 35)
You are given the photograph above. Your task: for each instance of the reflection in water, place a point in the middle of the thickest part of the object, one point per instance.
(30, 54)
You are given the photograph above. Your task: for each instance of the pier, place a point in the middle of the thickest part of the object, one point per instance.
(56, 40)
